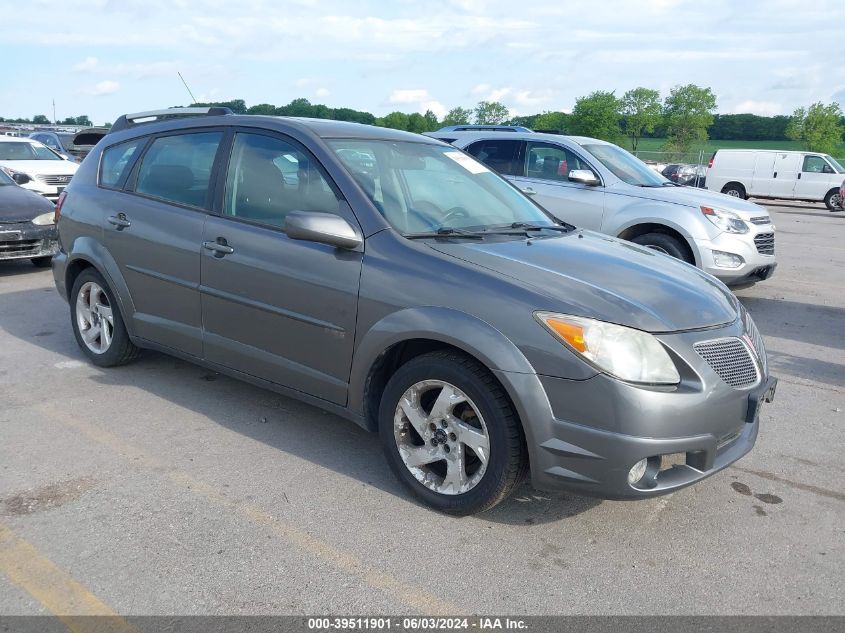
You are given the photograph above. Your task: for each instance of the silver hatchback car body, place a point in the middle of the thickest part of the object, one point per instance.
(398, 282)
(729, 238)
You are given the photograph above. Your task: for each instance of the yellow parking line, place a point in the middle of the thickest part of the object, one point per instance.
(54, 588)
(375, 578)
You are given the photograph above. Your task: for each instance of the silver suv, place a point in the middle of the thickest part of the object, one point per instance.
(599, 186)
(398, 282)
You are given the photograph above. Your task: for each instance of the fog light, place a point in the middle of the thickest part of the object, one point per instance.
(727, 260)
(636, 473)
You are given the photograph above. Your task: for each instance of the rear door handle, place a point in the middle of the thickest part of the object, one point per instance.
(220, 247)
(120, 221)
(528, 191)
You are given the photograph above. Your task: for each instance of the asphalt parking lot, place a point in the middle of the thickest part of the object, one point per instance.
(162, 488)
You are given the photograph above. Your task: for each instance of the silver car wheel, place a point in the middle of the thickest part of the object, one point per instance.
(733, 193)
(836, 201)
(442, 437)
(94, 318)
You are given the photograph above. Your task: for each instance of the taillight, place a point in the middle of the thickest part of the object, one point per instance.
(59, 204)
(710, 162)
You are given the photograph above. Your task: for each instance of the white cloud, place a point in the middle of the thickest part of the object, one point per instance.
(438, 108)
(106, 87)
(87, 65)
(322, 92)
(763, 108)
(409, 96)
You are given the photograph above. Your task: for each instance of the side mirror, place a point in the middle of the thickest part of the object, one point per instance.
(584, 176)
(21, 179)
(325, 228)
(828, 170)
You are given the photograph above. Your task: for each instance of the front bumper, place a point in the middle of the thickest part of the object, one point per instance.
(756, 266)
(585, 435)
(27, 241)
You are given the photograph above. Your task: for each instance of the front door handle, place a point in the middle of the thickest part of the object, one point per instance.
(220, 247)
(120, 221)
(776, 174)
(528, 191)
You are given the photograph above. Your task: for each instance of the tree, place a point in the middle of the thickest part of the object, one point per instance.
(596, 115)
(457, 116)
(83, 120)
(40, 118)
(395, 120)
(641, 111)
(547, 121)
(431, 122)
(491, 113)
(818, 127)
(689, 112)
(262, 108)
(416, 123)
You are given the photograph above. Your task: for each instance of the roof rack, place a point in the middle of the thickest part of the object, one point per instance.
(154, 116)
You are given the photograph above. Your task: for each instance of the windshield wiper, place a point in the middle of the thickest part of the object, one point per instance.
(445, 231)
(563, 227)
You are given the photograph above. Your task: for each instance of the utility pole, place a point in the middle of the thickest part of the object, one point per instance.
(54, 112)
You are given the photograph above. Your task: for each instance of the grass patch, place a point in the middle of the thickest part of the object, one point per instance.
(648, 145)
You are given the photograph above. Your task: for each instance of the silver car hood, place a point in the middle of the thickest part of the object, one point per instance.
(696, 197)
(593, 275)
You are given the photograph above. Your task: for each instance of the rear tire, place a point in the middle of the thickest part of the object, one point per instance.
(735, 190)
(42, 262)
(462, 412)
(664, 243)
(833, 200)
(97, 322)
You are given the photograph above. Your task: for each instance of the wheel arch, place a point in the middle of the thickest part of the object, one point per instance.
(642, 228)
(736, 183)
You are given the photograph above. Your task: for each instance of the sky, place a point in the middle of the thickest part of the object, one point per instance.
(104, 58)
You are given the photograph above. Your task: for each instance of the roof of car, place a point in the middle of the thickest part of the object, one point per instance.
(520, 136)
(18, 139)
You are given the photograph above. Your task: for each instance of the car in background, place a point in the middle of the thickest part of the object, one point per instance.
(444, 133)
(599, 186)
(685, 174)
(35, 166)
(27, 224)
(787, 175)
(841, 200)
(73, 146)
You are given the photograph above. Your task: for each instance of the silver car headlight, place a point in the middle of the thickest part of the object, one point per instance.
(623, 352)
(45, 218)
(728, 221)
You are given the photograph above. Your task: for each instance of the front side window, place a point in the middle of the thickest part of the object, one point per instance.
(625, 166)
(814, 165)
(117, 161)
(421, 187)
(178, 168)
(268, 178)
(499, 155)
(550, 162)
(26, 151)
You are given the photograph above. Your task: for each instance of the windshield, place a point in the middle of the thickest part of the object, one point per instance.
(625, 166)
(26, 151)
(835, 164)
(421, 188)
(5, 179)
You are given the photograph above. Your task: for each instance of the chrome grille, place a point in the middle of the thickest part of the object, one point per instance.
(765, 243)
(731, 360)
(761, 219)
(57, 180)
(19, 248)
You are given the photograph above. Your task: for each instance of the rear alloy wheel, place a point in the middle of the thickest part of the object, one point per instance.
(735, 190)
(666, 244)
(833, 200)
(97, 323)
(450, 433)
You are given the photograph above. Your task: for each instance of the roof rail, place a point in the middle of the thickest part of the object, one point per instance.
(153, 116)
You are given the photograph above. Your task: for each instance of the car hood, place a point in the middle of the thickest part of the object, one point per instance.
(593, 275)
(45, 167)
(21, 205)
(696, 197)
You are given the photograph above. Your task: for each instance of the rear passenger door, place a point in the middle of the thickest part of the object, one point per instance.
(786, 170)
(279, 309)
(155, 231)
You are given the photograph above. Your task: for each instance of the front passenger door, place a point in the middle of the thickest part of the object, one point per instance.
(279, 309)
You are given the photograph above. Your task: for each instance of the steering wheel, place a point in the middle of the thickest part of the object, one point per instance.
(454, 212)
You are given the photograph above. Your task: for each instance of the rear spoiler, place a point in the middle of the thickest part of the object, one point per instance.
(154, 116)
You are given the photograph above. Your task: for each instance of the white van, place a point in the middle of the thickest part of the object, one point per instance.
(761, 173)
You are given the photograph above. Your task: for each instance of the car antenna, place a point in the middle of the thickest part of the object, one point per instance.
(185, 83)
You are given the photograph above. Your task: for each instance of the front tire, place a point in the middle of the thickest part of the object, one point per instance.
(735, 190)
(450, 433)
(667, 244)
(833, 200)
(97, 322)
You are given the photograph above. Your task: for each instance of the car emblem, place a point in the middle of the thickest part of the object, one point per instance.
(62, 179)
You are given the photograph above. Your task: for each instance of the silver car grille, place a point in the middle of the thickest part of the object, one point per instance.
(765, 243)
(731, 359)
(55, 179)
(761, 219)
(756, 339)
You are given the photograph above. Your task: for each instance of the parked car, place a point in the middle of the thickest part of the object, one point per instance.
(805, 176)
(426, 299)
(73, 146)
(599, 186)
(839, 203)
(27, 224)
(684, 174)
(34, 166)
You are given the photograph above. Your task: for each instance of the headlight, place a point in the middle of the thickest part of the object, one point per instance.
(45, 219)
(623, 352)
(728, 221)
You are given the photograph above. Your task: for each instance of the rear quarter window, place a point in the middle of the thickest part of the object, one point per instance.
(117, 162)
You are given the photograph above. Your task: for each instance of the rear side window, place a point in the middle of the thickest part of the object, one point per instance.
(178, 168)
(268, 178)
(117, 161)
(501, 156)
